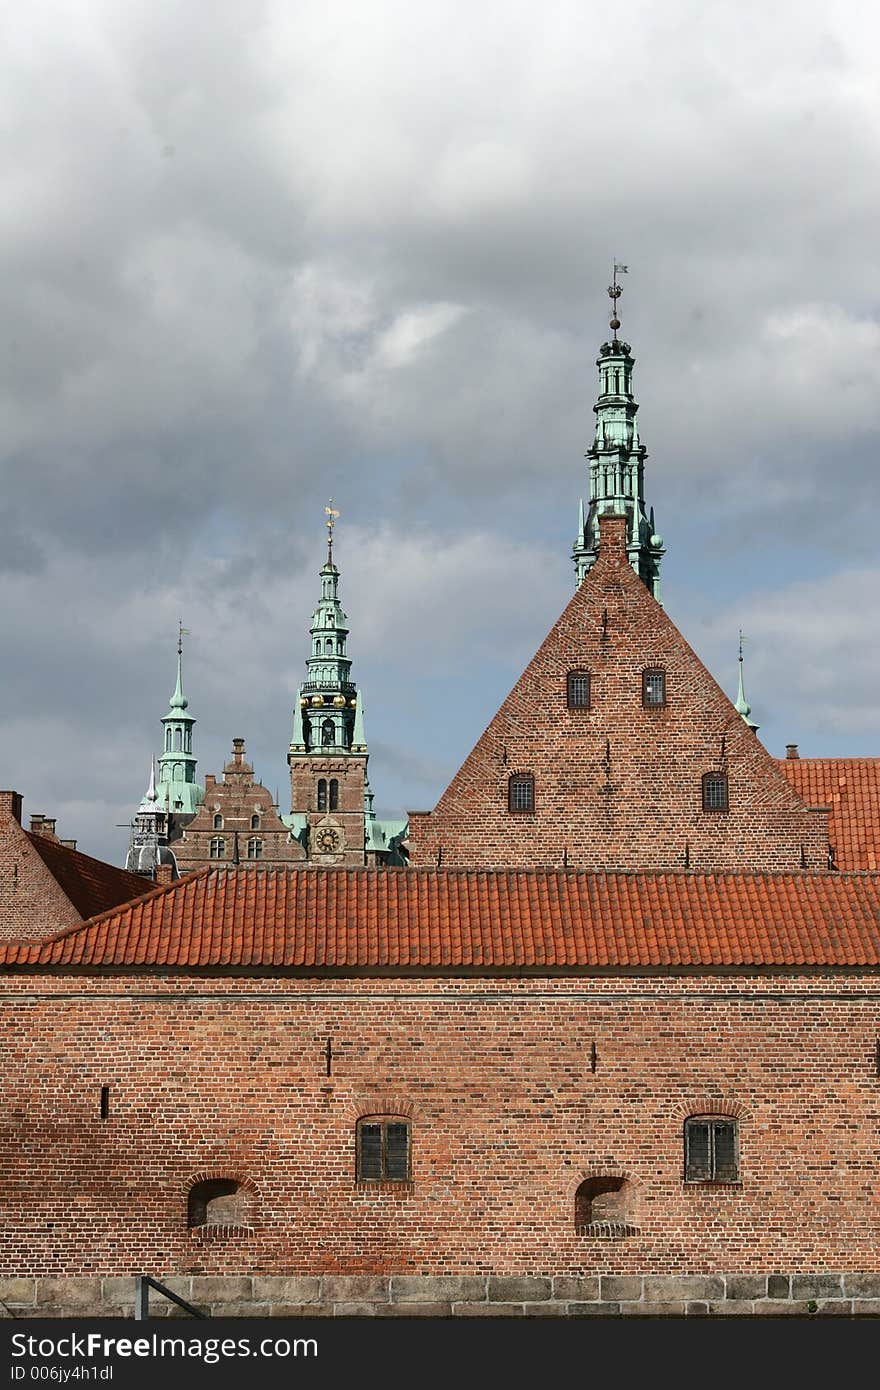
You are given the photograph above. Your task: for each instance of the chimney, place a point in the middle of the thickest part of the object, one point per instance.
(210, 779)
(791, 752)
(36, 826)
(10, 805)
(164, 875)
(69, 844)
(238, 751)
(612, 534)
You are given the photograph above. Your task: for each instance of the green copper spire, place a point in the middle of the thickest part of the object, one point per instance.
(326, 716)
(178, 792)
(742, 705)
(617, 464)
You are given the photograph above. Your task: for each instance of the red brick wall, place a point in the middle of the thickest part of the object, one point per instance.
(619, 786)
(227, 1077)
(32, 905)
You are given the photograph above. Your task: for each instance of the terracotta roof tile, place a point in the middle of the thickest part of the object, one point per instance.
(427, 919)
(850, 787)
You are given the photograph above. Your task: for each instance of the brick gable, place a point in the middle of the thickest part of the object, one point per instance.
(619, 785)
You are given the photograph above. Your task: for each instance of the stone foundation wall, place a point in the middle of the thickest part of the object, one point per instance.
(280, 1296)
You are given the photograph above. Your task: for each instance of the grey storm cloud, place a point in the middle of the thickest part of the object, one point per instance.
(361, 249)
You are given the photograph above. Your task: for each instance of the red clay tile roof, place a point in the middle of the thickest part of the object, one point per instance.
(851, 788)
(421, 919)
(90, 884)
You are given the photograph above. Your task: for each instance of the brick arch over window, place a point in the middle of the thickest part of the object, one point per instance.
(710, 1105)
(361, 1107)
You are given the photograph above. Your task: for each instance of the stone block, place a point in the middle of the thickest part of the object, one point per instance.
(18, 1291)
(220, 1288)
(696, 1310)
(550, 1309)
(245, 1309)
(442, 1288)
(518, 1289)
(620, 1286)
(300, 1310)
(662, 1288)
(582, 1290)
(835, 1308)
(731, 1308)
(487, 1310)
(816, 1286)
(413, 1310)
(593, 1310)
(780, 1308)
(286, 1288)
(118, 1290)
(69, 1293)
(746, 1285)
(778, 1286)
(354, 1288)
(181, 1284)
(854, 1286)
(659, 1309)
(862, 1308)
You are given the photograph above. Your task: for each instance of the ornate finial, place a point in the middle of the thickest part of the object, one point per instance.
(181, 633)
(741, 704)
(614, 293)
(332, 517)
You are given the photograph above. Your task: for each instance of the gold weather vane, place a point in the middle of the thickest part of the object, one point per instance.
(614, 293)
(332, 517)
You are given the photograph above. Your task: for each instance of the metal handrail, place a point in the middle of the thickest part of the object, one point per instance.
(142, 1285)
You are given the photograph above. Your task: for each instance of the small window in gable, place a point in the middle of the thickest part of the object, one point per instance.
(653, 688)
(254, 848)
(383, 1150)
(218, 822)
(521, 792)
(578, 690)
(715, 796)
(255, 822)
(711, 1149)
(217, 848)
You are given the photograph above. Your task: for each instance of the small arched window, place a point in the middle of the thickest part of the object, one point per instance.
(711, 1149)
(334, 794)
(178, 740)
(383, 1150)
(328, 645)
(218, 822)
(521, 792)
(322, 793)
(254, 848)
(715, 791)
(255, 822)
(167, 740)
(328, 732)
(219, 1202)
(217, 848)
(188, 741)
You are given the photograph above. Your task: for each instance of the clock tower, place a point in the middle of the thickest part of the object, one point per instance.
(330, 799)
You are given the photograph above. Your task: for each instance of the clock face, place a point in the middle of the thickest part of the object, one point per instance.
(327, 840)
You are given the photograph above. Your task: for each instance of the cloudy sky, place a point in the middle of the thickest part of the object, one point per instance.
(261, 252)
